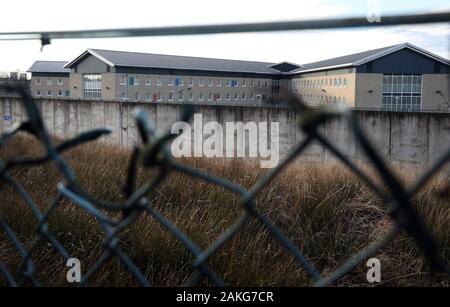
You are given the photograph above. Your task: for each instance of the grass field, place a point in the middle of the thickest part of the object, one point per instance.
(328, 212)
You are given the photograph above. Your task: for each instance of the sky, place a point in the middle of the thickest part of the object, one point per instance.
(295, 46)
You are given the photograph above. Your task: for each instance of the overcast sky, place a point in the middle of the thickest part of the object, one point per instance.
(295, 46)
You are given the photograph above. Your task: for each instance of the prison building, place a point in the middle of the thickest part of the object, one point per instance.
(403, 77)
(49, 79)
(131, 76)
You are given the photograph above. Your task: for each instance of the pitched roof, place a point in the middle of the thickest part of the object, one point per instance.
(360, 58)
(49, 66)
(149, 60)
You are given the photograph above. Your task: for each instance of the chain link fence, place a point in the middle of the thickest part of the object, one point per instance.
(154, 152)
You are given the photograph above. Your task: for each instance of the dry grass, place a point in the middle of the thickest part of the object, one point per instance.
(327, 211)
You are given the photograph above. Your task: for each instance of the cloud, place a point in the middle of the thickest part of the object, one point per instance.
(295, 46)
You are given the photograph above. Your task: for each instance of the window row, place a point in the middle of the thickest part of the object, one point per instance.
(49, 93)
(401, 102)
(50, 81)
(179, 81)
(319, 83)
(402, 84)
(322, 99)
(179, 96)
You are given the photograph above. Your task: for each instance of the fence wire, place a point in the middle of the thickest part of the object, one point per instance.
(154, 153)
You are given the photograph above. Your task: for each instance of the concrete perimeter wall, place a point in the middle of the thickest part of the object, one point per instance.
(418, 138)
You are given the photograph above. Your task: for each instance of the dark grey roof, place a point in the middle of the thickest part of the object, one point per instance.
(49, 66)
(346, 59)
(360, 58)
(149, 60)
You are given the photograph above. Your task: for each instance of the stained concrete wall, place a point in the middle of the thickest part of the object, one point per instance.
(417, 138)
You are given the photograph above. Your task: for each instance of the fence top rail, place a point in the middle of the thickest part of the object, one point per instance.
(307, 24)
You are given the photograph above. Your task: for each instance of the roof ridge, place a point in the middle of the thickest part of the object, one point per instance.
(183, 56)
(355, 53)
(49, 61)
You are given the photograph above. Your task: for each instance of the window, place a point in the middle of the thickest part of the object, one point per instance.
(266, 84)
(133, 81)
(209, 96)
(159, 81)
(402, 92)
(244, 97)
(191, 82)
(200, 97)
(191, 96)
(179, 81)
(252, 83)
(38, 93)
(148, 96)
(49, 81)
(210, 82)
(38, 81)
(92, 86)
(217, 97)
(236, 96)
(219, 82)
(122, 80)
(200, 82)
(171, 96)
(67, 93)
(275, 86)
(60, 82)
(252, 96)
(244, 83)
(345, 82)
(170, 82)
(49, 93)
(227, 96)
(148, 81)
(233, 83)
(180, 96)
(259, 83)
(159, 97)
(136, 96)
(60, 93)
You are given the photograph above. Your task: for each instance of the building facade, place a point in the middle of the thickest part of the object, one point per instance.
(126, 76)
(49, 79)
(395, 78)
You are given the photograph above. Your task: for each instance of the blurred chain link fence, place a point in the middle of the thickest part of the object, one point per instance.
(154, 153)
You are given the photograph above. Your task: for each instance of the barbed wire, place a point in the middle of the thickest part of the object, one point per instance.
(154, 153)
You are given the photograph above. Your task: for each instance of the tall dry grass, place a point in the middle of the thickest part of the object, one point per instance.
(326, 210)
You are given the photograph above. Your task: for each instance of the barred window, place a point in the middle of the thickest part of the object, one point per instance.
(93, 86)
(402, 92)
